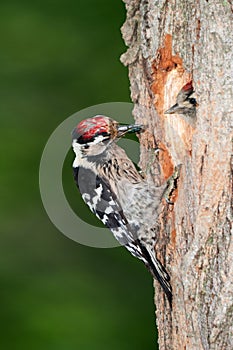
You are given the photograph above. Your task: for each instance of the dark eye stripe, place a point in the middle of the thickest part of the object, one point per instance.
(85, 139)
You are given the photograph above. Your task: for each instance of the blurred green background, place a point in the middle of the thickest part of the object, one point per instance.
(58, 57)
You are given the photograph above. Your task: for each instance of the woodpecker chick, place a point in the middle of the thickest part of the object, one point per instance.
(184, 103)
(114, 190)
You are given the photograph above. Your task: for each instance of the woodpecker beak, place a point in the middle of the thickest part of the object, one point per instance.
(174, 109)
(124, 129)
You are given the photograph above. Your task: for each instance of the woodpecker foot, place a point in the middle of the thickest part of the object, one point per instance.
(172, 184)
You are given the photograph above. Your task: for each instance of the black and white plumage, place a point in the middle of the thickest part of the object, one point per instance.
(114, 190)
(185, 104)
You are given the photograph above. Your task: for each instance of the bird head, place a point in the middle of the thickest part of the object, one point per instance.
(184, 103)
(92, 136)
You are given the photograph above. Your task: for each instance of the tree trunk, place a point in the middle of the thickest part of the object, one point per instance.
(170, 43)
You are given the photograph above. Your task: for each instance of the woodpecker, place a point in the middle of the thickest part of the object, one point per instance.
(184, 103)
(116, 192)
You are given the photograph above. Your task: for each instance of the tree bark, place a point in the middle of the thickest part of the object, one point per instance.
(170, 43)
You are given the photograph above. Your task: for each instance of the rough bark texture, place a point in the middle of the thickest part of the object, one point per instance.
(171, 42)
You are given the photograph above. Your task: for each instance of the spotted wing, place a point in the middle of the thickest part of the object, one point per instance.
(103, 202)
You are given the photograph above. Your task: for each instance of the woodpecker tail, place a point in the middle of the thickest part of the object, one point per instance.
(158, 272)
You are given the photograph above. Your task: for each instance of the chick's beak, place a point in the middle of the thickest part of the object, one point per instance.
(173, 109)
(124, 129)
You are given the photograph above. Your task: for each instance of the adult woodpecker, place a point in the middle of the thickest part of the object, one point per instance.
(116, 192)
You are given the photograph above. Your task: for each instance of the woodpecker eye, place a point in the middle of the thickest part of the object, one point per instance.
(193, 101)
